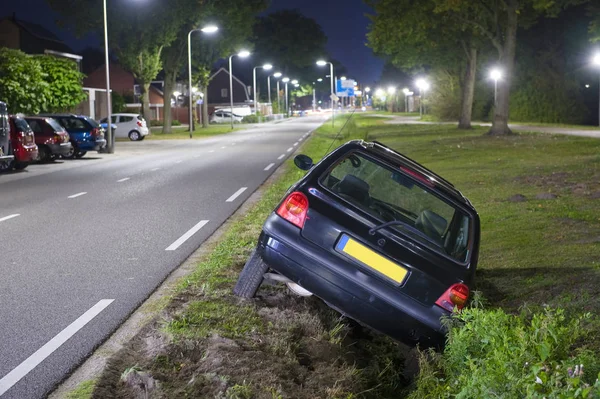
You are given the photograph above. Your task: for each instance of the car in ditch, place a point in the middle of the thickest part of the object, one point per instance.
(376, 236)
(5, 157)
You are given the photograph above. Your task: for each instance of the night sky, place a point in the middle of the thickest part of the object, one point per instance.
(342, 20)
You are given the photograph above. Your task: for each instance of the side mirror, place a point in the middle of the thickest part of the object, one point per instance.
(303, 162)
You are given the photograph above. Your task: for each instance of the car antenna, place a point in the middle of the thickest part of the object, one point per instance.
(338, 134)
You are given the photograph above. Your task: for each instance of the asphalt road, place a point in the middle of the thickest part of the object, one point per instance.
(94, 237)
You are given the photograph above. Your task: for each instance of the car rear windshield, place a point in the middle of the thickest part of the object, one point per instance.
(389, 195)
(22, 125)
(92, 122)
(55, 125)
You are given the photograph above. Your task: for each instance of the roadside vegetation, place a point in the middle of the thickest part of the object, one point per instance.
(530, 328)
(183, 133)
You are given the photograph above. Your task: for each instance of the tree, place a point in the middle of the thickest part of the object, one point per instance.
(22, 83)
(498, 21)
(290, 41)
(413, 37)
(137, 33)
(64, 83)
(234, 19)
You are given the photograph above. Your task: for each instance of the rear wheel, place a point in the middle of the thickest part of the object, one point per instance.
(134, 135)
(44, 154)
(251, 276)
(21, 165)
(80, 154)
(71, 153)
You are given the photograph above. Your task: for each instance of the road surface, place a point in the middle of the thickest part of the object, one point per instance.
(84, 242)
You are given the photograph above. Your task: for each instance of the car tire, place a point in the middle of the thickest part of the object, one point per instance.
(134, 135)
(80, 154)
(251, 276)
(44, 154)
(71, 154)
(142, 137)
(20, 165)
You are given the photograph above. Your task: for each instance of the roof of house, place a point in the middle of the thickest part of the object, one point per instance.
(234, 77)
(41, 33)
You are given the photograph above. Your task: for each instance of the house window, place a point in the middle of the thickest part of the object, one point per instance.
(223, 93)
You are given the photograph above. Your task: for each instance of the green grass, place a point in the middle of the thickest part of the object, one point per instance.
(393, 113)
(183, 133)
(83, 391)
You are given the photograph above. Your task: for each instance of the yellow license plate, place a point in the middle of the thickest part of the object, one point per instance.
(371, 259)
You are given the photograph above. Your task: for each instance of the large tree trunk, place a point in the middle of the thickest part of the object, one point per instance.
(205, 107)
(468, 93)
(146, 102)
(507, 61)
(170, 80)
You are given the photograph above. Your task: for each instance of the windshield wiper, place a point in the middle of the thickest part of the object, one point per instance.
(408, 227)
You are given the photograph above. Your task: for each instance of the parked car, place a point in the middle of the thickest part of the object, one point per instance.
(376, 236)
(132, 126)
(51, 138)
(221, 116)
(84, 132)
(22, 144)
(5, 157)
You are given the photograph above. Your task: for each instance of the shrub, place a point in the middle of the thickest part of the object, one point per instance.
(175, 122)
(156, 122)
(250, 119)
(490, 353)
(444, 100)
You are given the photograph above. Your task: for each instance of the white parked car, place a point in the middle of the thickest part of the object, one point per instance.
(221, 116)
(132, 126)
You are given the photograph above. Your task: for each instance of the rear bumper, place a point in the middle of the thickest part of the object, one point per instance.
(60, 149)
(347, 289)
(95, 145)
(26, 154)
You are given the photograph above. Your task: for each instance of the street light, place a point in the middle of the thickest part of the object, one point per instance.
(320, 80)
(276, 75)
(495, 75)
(207, 29)
(109, 134)
(324, 63)
(286, 80)
(596, 62)
(423, 86)
(241, 54)
(407, 93)
(343, 78)
(391, 90)
(266, 67)
(294, 82)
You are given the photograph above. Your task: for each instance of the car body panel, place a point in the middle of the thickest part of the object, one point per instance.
(80, 129)
(22, 141)
(127, 123)
(223, 116)
(49, 133)
(390, 271)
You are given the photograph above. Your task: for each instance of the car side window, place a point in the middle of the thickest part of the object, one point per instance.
(126, 118)
(35, 125)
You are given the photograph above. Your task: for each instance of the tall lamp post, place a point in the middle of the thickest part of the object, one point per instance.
(406, 92)
(423, 86)
(324, 63)
(286, 80)
(266, 67)
(596, 62)
(109, 132)
(276, 75)
(496, 75)
(367, 91)
(241, 54)
(207, 29)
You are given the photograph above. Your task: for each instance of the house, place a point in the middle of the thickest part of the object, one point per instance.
(218, 91)
(33, 39)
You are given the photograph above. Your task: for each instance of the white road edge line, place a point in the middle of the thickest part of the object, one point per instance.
(77, 195)
(269, 166)
(236, 194)
(186, 236)
(180, 161)
(281, 157)
(289, 149)
(9, 217)
(10, 379)
(212, 151)
(154, 170)
(295, 144)
(123, 179)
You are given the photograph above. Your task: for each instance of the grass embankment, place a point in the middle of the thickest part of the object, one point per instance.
(183, 133)
(534, 251)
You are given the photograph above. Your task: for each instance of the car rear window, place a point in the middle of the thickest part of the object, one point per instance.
(22, 125)
(92, 122)
(55, 125)
(35, 125)
(74, 124)
(388, 194)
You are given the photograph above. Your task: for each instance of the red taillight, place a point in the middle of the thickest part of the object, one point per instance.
(97, 132)
(417, 176)
(294, 209)
(21, 137)
(456, 296)
(139, 123)
(57, 139)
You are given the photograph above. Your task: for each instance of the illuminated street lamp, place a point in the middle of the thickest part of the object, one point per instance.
(286, 81)
(407, 93)
(423, 86)
(241, 54)
(323, 63)
(391, 90)
(266, 67)
(294, 82)
(495, 75)
(276, 75)
(208, 30)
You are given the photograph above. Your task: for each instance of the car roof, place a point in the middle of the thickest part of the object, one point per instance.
(121, 113)
(395, 158)
(64, 116)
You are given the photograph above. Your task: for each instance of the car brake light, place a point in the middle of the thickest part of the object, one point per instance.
(57, 139)
(21, 137)
(139, 123)
(294, 209)
(417, 176)
(456, 296)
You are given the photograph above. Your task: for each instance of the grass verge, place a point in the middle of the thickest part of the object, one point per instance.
(537, 195)
(183, 133)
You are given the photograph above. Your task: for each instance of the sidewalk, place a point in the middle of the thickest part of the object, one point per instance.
(403, 120)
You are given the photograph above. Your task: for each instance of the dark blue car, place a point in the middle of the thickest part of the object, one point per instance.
(85, 133)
